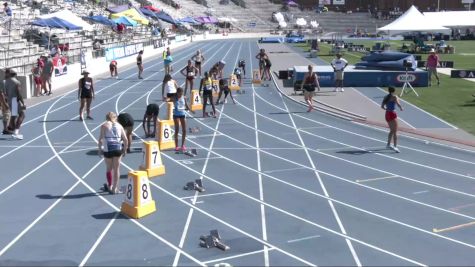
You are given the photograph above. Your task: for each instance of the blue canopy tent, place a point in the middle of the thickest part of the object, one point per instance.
(188, 20)
(149, 13)
(165, 17)
(55, 22)
(100, 20)
(127, 21)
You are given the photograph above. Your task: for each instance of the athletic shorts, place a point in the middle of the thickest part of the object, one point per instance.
(309, 93)
(390, 115)
(37, 80)
(207, 92)
(46, 78)
(112, 67)
(432, 71)
(197, 63)
(171, 96)
(178, 116)
(339, 75)
(86, 94)
(113, 154)
(190, 78)
(238, 76)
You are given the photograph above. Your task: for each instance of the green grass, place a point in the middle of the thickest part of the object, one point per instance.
(452, 101)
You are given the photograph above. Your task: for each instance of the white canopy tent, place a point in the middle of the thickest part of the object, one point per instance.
(70, 17)
(413, 20)
(452, 18)
(301, 22)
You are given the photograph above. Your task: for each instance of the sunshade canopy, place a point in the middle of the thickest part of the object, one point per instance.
(413, 20)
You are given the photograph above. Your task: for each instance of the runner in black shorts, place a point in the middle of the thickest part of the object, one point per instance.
(140, 64)
(206, 86)
(127, 122)
(151, 113)
(198, 58)
(223, 87)
(85, 94)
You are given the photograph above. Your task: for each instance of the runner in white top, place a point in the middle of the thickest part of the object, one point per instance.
(339, 64)
(169, 87)
(112, 143)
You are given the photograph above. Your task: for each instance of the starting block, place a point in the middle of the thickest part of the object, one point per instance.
(193, 153)
(196, 185)
(170, 107)
(256, 77)
(213, 240)
(194, 130)
(138, 196)
(196, 103)
(165, 136)
(153, 164)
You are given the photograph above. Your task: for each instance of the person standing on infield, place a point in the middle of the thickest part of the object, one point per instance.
(339, 64)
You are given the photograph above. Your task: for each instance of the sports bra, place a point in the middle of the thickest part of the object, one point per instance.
(207, 84)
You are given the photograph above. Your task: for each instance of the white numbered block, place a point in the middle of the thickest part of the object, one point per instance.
(195, 102)
(165, 137)
(138, 200)
(234, 83)
(256, 77)
(152, 162)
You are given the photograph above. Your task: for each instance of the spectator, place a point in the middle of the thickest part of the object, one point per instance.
(339, 64)
(96, 45)
(5, 110)
(431, 66)
(36, 71)
(46, 74)
(7, 13)
(15, 102)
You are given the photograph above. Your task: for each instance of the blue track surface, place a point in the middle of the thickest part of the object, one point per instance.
(283, 187)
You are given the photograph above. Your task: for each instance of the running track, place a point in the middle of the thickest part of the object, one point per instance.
(283, 187)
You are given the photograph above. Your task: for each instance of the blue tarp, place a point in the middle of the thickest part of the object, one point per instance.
(189, 20)
(127, 21)
(55, 22)
(100, 20)
(165, 17)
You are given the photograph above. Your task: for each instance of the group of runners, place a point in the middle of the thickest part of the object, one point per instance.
(116, 132)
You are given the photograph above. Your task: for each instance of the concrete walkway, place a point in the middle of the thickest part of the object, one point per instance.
(363, 104)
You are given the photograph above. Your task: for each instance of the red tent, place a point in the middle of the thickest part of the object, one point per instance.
(151, 8)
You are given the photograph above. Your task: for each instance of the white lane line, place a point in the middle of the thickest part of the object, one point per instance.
(358, 164)
(376, 179)
(236, 256)
(202, 136)
(313, 127)
(98, 241)
(43, 214)
(198, 159)
(421, 192)
(259, 169)
(322, 185)
(285, 170)
(57, 127)
(431, 115)
(280, 210)
(211, 195)
(78, 150)
(67, 94)
(80, 180)
(377, 104)
(303, 238)
(261, 148)
(163, 240)
(351, 206)
(374, 139)
(64, 123)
